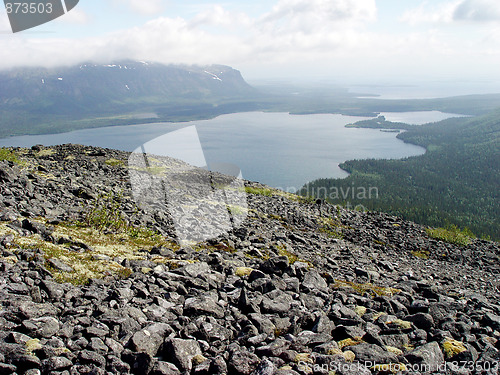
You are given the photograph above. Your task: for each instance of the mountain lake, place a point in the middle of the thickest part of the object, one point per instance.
(277, 149)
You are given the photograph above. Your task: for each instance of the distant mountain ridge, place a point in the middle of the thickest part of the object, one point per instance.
(41, 100)
(98, 85)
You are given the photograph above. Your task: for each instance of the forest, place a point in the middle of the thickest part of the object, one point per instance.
(455, 183)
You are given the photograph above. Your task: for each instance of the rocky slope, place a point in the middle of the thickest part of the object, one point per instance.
(91, 284)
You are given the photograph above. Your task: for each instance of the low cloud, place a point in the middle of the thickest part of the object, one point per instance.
(295, 38)
(454, 11)
(477, 10)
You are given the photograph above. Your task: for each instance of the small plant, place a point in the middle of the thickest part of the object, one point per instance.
(452, 234)
(105, 214)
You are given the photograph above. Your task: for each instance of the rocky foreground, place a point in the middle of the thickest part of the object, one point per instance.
(92, 284)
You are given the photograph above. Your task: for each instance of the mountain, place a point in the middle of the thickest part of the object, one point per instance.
(93, 284)
(32, 99)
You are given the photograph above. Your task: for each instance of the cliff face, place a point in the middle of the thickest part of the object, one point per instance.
(93, 284)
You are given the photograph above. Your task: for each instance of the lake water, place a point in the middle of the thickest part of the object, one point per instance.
(277, 149)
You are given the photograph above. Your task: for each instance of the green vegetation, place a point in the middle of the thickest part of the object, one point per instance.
(454, 183)
(332, 227)
(8, 155)
(95, 246)
(452, 234)
(422, 254)
(115, 162)
(259, 191)
(105, 214)
(452, 347)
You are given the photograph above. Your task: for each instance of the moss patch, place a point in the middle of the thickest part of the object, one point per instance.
(45, 152)
(303, 358)
(422, 254)
(31, 345)
(349, 356)
(115, 162)
(453, 347)
(350, 342)
(374, 290)
(243, 271)
(90, 252)
(403, 324)
(360, 310)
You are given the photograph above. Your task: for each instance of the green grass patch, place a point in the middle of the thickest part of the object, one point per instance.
(9, 155)
(115, 162)
(105, 214)
(452, 234)
(259, 191)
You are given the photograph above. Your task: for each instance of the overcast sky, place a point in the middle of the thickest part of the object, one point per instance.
(331, 39)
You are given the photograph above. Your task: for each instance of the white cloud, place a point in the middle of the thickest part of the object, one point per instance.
(4, 23)
(454, 11)
(296, 37)
(146, 7)
(477, 10)
(220, 17)
(75, 16)
(308, 16)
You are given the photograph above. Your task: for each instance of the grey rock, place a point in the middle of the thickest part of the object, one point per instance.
(59, 265)
(41, 327)
(203, 305)
(275, 265)
(181, 352)
(266, 367)
(150, 338)
(89, 357)
(31, 310)
(243, 362)
(428, 356)
(56, 363)
(276, 302)
(421, 320)
(492, 320)
(164, 368)
(370, 352)
(313, 280)
(6, 369)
